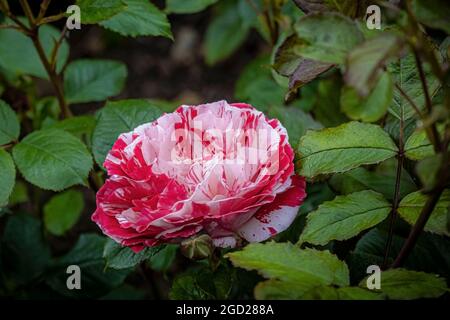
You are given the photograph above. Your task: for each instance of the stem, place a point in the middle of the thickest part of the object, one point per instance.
(56, 47)
(396, 200)
(54, 79)
(5, 9)
(434, 135)
(410, 101)
(433, 199)
(417, 229)
(28, 13)
(53, 18)
(43, 10)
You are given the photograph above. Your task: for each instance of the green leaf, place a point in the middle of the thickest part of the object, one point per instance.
(406, 76)
(9, 124)
(89, 80)
(430, 254)
(19, 194)
(18, 55)
(53, 159)
(411, 206)
(188, 286)
(295, 120)
(345, 217)
(328, 37)
(78, 125)
(119, 257)
(201, 283)
(225, 34)
(286, 59)
(381, 180)
(94, 11)
(343, 148)
(25, 255)
(401, 284)
(427, 170)
(282, 290)
(139, 18)
(7, 177)
(327, 108)
(432, 13)
(62, 211)
(418, 147)
(96, 281)
(187, 6)
(371, 108)
(118, 117)
(306, 71)
(163, 260)
(365, 63)
(352, 8)
(284, 261)
(257, 87)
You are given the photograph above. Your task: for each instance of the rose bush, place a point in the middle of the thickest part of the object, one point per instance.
(200, 169)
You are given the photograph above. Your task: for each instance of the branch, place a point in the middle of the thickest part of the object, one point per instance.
(443, 174)
(396, 200)
(434, 135)
(417, 229)
(56, 47)
(410, 101)
(43, 10)
(28, 13)
(54, 79)
(5, 9)
(53, 18)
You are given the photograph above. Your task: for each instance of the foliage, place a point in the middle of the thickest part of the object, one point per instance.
(367, 113)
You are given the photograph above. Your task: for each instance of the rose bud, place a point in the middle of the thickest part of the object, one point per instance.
(220, 169)
(198, 247)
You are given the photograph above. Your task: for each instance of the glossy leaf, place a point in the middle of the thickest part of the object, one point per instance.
(62, 211)
(284, 261)
(89, 80)
(120, 257)
(94, 11)
(9, 124)
(139, 18)
(371, 108)
(53, 159)
(118, 117)
(411, 206)
(187, 6)
(328, 37)
(343, 148)
(402, 284)
(365, 62)
(345, 217)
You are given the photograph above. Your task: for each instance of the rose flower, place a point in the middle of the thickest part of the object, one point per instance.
(220, 169)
